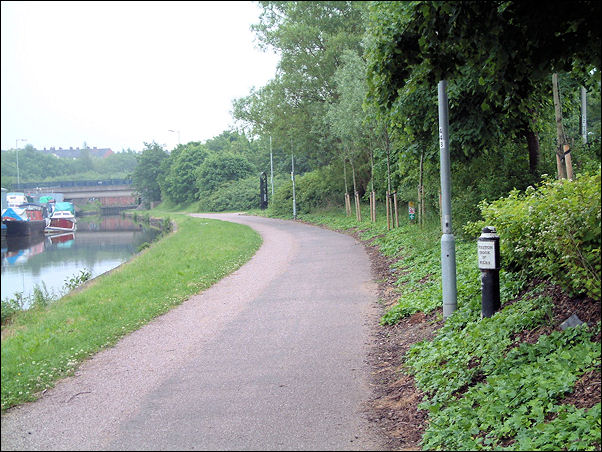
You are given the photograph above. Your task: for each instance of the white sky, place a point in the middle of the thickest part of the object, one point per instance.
(118, 74)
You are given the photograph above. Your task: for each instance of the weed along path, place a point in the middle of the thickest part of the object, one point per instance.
(272, 357)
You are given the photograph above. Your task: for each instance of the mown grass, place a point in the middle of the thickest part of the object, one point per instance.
(42, 345)
(483, 388)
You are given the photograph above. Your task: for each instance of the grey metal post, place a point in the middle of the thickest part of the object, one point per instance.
(271, 167)
(583, 115)
(17, 151)
(448, 244)
(293, 178)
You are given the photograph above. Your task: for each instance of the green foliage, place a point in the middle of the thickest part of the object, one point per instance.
(218, 169)
(492, 390)
(242, 194)
(498, 59)
(77, 280)
(41, 297)
(11, 306)
(551, 231)
(180, 170)
(310, 38)
(149, 172)
(36, 166)
(321, 188)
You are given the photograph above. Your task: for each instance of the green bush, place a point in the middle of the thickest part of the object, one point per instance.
(317, 189)
(234, 195)
(551, 231)
(219, 169)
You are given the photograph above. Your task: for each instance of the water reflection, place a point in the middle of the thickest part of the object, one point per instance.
(99, 244)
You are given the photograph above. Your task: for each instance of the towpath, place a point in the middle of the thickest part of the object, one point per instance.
(272, 357)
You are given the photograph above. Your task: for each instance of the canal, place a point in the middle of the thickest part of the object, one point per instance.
(100, 244)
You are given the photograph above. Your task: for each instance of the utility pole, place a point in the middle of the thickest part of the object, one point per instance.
(448, 243)
(293, 179)
(583, 115)
(17, 151)
(271, 167)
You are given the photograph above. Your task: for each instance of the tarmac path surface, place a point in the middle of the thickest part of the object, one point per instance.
(272, 357)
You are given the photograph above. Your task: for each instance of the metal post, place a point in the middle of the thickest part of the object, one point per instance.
(448, 244)
(488, 247)
(293, 178)
(17, 151)
(271, 167)
(583, 115)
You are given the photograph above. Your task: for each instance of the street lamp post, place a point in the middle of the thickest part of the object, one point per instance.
(176, 131)
(17, 150)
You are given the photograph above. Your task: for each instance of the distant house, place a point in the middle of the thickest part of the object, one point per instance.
(73, 153)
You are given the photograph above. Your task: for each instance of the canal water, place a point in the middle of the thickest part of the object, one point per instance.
(100, 244)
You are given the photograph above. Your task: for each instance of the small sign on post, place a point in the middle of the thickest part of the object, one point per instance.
(411, 210)
(488, 250)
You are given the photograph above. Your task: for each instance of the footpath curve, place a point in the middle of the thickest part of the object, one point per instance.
(272, 357)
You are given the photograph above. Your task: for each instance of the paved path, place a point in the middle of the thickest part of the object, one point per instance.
(272, 357)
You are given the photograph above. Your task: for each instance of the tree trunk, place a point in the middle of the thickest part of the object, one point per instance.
(388, 146)
(421, 191)
(358, 214)
(533, 147)
(347, 202)
(560, 166)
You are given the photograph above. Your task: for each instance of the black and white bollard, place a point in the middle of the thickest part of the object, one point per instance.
(489, 264)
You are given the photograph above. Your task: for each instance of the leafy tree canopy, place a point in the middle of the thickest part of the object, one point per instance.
(149, 171)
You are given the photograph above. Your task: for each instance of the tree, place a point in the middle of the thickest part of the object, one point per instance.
(346, 116)
(179, 183)
(218, 169)
(310, 38)
(499, 55)
(148, 172)
(118, 163)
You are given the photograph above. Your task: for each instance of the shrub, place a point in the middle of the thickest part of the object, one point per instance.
(551, 231)
(234, 195)
(218, 169)
(317, 189)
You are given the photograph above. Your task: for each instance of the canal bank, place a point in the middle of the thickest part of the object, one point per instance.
(44, 345)
(45, 262)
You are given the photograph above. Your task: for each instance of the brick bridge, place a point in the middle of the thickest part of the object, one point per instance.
(115, 194)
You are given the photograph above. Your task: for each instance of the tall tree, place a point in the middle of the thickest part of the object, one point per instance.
(499, 55)
(310, 38)
(179, 181)
(148, 172)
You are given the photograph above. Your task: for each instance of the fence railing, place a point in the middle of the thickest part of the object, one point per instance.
(71, 183)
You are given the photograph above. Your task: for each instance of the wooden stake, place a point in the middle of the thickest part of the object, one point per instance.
(395, 204)
(388, 203)
(358, 212)
(560, 166)
(347, 205)
(568, 161)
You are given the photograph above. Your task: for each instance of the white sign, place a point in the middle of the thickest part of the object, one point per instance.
(486, 251)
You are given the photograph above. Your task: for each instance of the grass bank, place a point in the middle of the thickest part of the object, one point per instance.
(515, 381)
(42, 345)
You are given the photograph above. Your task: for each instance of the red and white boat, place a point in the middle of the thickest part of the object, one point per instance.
(61, 221)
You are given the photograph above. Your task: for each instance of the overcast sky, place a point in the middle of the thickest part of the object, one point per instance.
(118, 74)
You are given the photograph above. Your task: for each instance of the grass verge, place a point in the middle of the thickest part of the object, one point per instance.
(42, 345)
